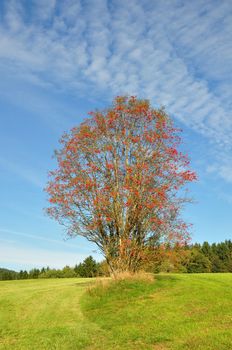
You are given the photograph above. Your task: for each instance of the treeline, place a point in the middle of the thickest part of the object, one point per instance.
(88, 268)
(196, 258)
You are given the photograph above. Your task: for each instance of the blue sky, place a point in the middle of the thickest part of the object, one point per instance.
(61, 59)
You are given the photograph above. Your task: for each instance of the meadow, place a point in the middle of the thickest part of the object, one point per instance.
(175, 311)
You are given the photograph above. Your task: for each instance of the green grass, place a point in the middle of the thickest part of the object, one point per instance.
(173, 312)
(43, 314)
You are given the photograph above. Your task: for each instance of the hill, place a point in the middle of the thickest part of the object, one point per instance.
(6, 274)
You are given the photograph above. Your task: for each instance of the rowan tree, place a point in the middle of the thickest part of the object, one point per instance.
(118, 182)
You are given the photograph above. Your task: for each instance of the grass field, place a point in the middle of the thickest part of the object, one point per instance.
(173, 312)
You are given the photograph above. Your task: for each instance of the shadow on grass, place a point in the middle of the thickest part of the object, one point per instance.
(167, 277)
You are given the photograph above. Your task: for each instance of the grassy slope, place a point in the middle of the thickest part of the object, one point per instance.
(173, 312)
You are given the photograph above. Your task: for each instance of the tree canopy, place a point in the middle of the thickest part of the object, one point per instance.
(118, 179)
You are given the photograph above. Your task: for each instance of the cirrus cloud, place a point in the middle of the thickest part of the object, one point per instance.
(175, 53)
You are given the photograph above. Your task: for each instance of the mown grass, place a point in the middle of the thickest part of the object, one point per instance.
(171, 312)
(43, 314)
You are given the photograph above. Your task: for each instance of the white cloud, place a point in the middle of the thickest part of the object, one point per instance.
(226, 172)
(175, 53)
(45, 9)
(222, 168)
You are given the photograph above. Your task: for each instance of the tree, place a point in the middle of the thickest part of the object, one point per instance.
(117, 181)
(34, 273)
(68, 272)
(175, 259)
(23, 274)
(88, 268)
(6, 274)
(206, 250)
(198, 262)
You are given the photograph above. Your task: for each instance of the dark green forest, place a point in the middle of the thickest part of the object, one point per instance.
(194, 258)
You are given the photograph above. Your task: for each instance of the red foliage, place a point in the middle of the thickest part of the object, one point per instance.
(117, 178)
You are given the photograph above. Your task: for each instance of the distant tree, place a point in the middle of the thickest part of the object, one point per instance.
(88, 268)
(206, 250)
(79, 270)
(68, 272)
(34, 273)
(117, 182)
(50, 273)
(229, 266)
(173, 259)
(25, 275)
(218, 265)
(6, 274)
(21, 274)
(198, 262)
